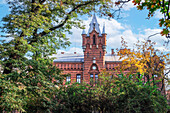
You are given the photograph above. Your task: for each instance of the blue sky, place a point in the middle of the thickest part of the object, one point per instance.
(132, 27)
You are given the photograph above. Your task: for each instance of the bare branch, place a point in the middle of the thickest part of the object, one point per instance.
(67, 17)
(153, 35)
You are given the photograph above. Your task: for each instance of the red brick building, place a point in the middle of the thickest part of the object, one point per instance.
(88, 66)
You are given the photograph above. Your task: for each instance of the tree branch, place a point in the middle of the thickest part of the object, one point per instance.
(167, 73)
(153, 35)
(168, 10)
(67, 17)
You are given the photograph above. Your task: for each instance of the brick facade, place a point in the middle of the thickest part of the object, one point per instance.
(94, 59)
(94, 48)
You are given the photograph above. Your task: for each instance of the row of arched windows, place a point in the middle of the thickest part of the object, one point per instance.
(111, 66)
(70, 66)
(93, 78)
(78, 78)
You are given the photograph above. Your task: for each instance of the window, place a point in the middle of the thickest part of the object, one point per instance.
(94, 67)
(94, 40)
(155, 75)
(91, 78)
(87, 54)
(96, 78)
(68, 79)
(111, 76)
(78, 79)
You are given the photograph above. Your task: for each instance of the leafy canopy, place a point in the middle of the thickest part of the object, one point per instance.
(37, 28)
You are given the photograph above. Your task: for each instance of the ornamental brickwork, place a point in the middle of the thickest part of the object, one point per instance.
(87, 66)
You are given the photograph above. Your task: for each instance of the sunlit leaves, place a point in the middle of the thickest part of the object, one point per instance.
(144, 59)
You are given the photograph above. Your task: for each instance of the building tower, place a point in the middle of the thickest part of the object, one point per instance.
(94, 48)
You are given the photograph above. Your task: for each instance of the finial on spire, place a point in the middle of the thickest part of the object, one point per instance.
(103, 29)
(83, 32)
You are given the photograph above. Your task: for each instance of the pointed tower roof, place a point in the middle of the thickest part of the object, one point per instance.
(94, 24)
(104, 29)
(83, 32)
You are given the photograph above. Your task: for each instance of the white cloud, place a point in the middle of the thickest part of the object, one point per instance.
(76, 36)
(156, 37)
(3, 2)
(115, 41)
(158, 14)
(77, 50)
(71, 51)
(112, 27)
(115, 31)
(128, 6)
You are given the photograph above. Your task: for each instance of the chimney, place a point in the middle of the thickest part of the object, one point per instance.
(112, 52)
(74, 52)
(62, 52)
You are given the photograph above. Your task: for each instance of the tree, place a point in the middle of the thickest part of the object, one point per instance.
(37, 28)
(120, 94)
(162, 6)
(145, 59)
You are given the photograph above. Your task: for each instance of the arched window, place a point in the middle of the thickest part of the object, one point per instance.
(94, 39)
(87, 54)
(68, 78)
(100, 54)
(78, 78)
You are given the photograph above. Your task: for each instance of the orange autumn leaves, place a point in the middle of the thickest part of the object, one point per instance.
(143, 59)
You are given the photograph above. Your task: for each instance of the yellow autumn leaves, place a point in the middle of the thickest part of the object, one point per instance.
(143, 59)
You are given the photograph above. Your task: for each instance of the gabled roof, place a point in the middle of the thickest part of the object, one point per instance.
(94, 24)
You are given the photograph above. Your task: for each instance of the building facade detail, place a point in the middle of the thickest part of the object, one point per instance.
(86, 67)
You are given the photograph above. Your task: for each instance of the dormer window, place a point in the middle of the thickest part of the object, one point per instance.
(94, 40)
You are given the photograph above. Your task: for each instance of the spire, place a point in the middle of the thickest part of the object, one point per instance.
(94, 25)
(83, 32)
(103, 29)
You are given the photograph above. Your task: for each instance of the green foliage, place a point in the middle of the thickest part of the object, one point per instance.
(30, 82)
(32, 88)
(119, 94)
(36, 28)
